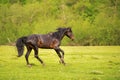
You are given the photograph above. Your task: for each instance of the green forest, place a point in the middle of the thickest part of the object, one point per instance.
(94, 22)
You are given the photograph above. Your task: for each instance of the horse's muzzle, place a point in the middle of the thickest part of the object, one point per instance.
(72, 38)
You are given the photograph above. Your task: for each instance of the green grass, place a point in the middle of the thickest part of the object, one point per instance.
(83, 63)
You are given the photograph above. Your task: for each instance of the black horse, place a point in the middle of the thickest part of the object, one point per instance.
(48, 41)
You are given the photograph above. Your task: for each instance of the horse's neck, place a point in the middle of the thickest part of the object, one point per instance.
(59, 35)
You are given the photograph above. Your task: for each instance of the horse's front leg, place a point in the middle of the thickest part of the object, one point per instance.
(62, 52)
(58, 50)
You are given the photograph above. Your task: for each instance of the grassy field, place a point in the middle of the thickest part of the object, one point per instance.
(83, 63)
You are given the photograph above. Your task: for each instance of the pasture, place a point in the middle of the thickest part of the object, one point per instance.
(82, 63)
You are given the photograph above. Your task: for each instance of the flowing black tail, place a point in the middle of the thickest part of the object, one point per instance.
(20, 45)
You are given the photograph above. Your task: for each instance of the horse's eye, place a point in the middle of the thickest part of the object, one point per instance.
(70, 30)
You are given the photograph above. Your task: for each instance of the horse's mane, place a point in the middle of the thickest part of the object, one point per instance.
(58, 33)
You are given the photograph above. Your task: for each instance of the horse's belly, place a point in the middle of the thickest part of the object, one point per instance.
(48, 44)
(43, 44)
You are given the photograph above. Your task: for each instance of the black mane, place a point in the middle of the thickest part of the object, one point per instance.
(59, 33)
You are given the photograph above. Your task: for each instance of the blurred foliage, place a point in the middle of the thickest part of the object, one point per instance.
(94, 22)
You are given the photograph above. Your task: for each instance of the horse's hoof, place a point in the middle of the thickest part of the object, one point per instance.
(29, 65)
(64, 64)
(43, 64)
(60, 62)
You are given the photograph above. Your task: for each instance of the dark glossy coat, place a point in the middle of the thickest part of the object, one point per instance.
(48, 41)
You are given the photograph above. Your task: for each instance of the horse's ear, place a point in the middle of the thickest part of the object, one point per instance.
(58, 29)
(68, 28)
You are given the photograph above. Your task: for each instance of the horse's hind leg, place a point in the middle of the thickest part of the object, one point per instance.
(27, 54)
(36, 54)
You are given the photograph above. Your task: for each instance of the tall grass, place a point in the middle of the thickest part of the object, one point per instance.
(92, 22)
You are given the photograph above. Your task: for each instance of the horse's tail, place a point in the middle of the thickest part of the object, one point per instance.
(20, 45)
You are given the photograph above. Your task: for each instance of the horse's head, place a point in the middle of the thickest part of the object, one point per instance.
(69, 33)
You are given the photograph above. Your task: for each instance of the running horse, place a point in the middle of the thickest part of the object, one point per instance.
(47, 41)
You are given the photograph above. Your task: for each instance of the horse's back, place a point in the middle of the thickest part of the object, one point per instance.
(32, 39)
(43, 40)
